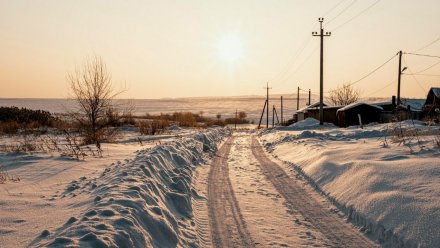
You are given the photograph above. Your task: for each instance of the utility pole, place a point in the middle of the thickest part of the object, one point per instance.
(321, 81)
(282, 121)
(276, 115)
(309, 97)
(262, 113)
(267, 102)
(273, 115)
(235, 119)
(398, 78)
(297, 100)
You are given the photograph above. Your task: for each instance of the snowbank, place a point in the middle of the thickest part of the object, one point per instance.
(388, 187)
(143, 202)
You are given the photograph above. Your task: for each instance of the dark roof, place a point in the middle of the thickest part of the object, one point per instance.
(313, 105)
(353, 105)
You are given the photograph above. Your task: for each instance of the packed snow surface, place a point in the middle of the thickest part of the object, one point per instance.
(386, 177)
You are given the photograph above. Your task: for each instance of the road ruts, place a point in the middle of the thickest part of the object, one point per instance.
(336, 230)
(228, 228)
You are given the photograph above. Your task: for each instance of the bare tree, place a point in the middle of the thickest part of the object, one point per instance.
(242, 115)
(92, 90)
(343, 95)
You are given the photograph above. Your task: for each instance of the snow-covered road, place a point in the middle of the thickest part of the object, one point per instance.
(254, 202)
(227, 223)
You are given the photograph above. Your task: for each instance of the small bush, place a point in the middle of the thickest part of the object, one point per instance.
(9, 127)
(4, 176)
(26, 116)
(12, 119)
(153, 127)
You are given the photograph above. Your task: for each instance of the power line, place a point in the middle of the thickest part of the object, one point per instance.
(292, 59)
(428, 45)
(373, 71)
(429, 67)
(426, 75)
(356, 16)
(424, 55)
(334, 7)
(340, 13)
(300, 50)
(412, 74)
(379, 90)
(301, 65)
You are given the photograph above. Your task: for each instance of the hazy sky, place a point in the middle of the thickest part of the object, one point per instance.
(161, 48)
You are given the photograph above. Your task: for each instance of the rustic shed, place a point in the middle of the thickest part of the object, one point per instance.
(349, 115)
(432, 102)
(329, 113)
(301, 114)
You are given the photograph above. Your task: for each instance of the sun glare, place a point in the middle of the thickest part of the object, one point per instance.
(230, 48)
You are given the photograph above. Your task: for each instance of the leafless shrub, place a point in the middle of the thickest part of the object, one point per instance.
(343, 95)
(92, 90)
(436, 138)
(409, 137)
(153, 127)
(73, 148)
(4, 176)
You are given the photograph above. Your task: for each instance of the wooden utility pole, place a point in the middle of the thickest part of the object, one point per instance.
(309, 97)
(276, 115)
(235, 119)
(282, 121)
(398, 78)
(273, 115)
(297, 100)
(321, 81)
(267, 102)
(262, 113)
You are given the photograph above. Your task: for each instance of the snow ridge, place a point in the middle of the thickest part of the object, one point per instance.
(386, 190)
(143, 202)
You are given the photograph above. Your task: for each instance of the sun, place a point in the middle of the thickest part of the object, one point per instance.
(230, 48)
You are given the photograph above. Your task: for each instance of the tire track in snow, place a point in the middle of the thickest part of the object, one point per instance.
(337, 231)
(228, 228)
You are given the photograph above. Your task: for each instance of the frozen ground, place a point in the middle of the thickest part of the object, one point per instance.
(133, 195)
(388, 184)
(177, 189)
(256, 202)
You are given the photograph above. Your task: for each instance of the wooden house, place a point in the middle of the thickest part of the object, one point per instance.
(349, 115)
(431, 108)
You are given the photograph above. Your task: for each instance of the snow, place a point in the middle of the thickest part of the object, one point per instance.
(313, 105)
(150, 191)
(266, 213)
(388, 185)
(353, 105)
(132, 196)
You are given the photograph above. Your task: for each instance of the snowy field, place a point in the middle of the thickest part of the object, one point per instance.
(169, 190)
(132, 195)
(385, 177)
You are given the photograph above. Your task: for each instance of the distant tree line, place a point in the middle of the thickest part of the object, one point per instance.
(26, 116)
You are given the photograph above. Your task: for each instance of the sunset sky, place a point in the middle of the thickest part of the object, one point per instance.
(190, 48)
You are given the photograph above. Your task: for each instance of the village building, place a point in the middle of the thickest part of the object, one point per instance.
(312, 111)
(358, 113)
(431, 108)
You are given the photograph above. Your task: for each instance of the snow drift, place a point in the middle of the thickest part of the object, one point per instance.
(143, 202)
(389, 188)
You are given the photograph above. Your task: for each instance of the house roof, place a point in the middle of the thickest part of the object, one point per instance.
(436, 91)
(353, 105)
(313, 105)
(432, 95)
